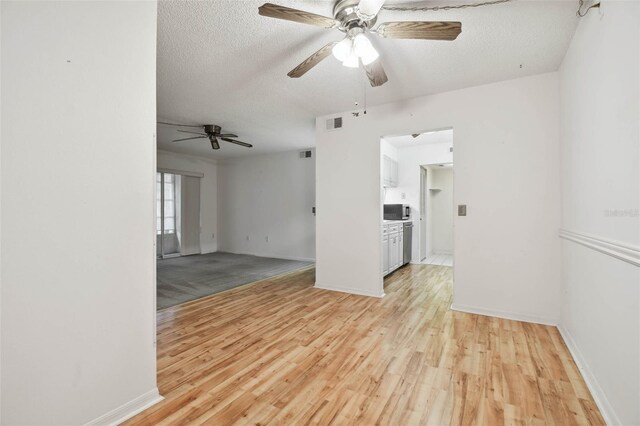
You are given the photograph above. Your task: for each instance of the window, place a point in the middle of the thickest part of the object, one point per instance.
(168, 182)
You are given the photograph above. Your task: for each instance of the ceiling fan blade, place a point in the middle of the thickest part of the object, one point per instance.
(312, 61)
(193, 133)
(415, 135)
(180, 125)
(214, 143)
(282, 12)
(423, 30)
(227, 135)
(248, 145)
(188, 139)
(375, 73)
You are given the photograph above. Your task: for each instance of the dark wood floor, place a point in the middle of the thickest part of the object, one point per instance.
(282, 352)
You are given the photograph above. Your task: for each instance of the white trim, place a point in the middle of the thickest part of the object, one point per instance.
(501, 314)
(443, 253)
(349, 290)
(128, 410)
(273, 256)
(622, 251)
(597, 393)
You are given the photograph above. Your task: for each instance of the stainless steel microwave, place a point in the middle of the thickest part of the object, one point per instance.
(397, 212)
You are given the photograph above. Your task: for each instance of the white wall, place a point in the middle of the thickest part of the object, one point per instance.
(442, 218)
(409, 161)
(0, 212)
(389, 150)
(77, 174)
(208, 193)
(507, 251)
(600, 134)
(268, 196)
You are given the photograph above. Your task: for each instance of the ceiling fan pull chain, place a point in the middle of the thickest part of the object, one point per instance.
(364, 85)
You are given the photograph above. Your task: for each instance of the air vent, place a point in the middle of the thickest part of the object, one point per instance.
(334, 123)
(305, 154)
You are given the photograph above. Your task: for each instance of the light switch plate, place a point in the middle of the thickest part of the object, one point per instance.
(462, 209)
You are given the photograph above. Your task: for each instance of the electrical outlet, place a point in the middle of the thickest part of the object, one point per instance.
(247, 238)
(213, 236)
(266, 238)
(403, 196)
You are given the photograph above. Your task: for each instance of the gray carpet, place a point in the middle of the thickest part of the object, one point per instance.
(182, 279)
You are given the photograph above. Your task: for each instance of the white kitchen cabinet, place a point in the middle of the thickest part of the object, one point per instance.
(392, 247)
(393, 252)
(389, 172)
(385, 254)
(400, 247)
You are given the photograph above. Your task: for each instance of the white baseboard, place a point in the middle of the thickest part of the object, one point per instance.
(349, 290)
(597, 393)
(443, 252)
(273, 256)
(128, 410)
(501, 314)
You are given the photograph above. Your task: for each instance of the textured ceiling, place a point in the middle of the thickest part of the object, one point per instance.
(219, 62)
(442, 136)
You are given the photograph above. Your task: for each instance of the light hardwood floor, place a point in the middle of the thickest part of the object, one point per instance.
(282, 352)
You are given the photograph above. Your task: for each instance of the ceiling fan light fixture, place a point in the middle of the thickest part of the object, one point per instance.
(364, 49)
(342, 50)
(352, 61)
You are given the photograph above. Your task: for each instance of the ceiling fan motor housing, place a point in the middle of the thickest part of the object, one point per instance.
(212, 129)
(345, 13)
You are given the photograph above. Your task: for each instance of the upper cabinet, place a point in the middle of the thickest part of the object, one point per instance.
(389, 172)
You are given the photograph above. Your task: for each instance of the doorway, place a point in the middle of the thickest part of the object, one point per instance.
(167, 205)
(436, 214)
(177, 215)
(417, 199)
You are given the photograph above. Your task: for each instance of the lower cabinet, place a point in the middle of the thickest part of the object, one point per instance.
(385, 254)
(400, 249)
(392, 248)
(393, 251)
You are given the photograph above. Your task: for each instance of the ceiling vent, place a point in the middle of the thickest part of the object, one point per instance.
(334, 123)
(305, 154)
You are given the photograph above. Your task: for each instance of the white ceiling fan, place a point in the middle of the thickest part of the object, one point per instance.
(356, 19)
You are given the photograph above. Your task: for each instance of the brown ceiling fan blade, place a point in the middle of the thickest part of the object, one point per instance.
(282, 12)
(193, 133)
(179, 125)
(188, 139)
(422, 30)
(312, 61)
(227, 135)
(214, 143)
(375, 73)
(248, 145)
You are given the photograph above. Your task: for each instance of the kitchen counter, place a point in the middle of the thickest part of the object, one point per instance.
(387, 222)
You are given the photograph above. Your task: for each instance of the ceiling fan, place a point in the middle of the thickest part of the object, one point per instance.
(356, 19)
(211, 132)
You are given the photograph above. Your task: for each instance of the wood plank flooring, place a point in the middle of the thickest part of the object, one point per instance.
(282, 352)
